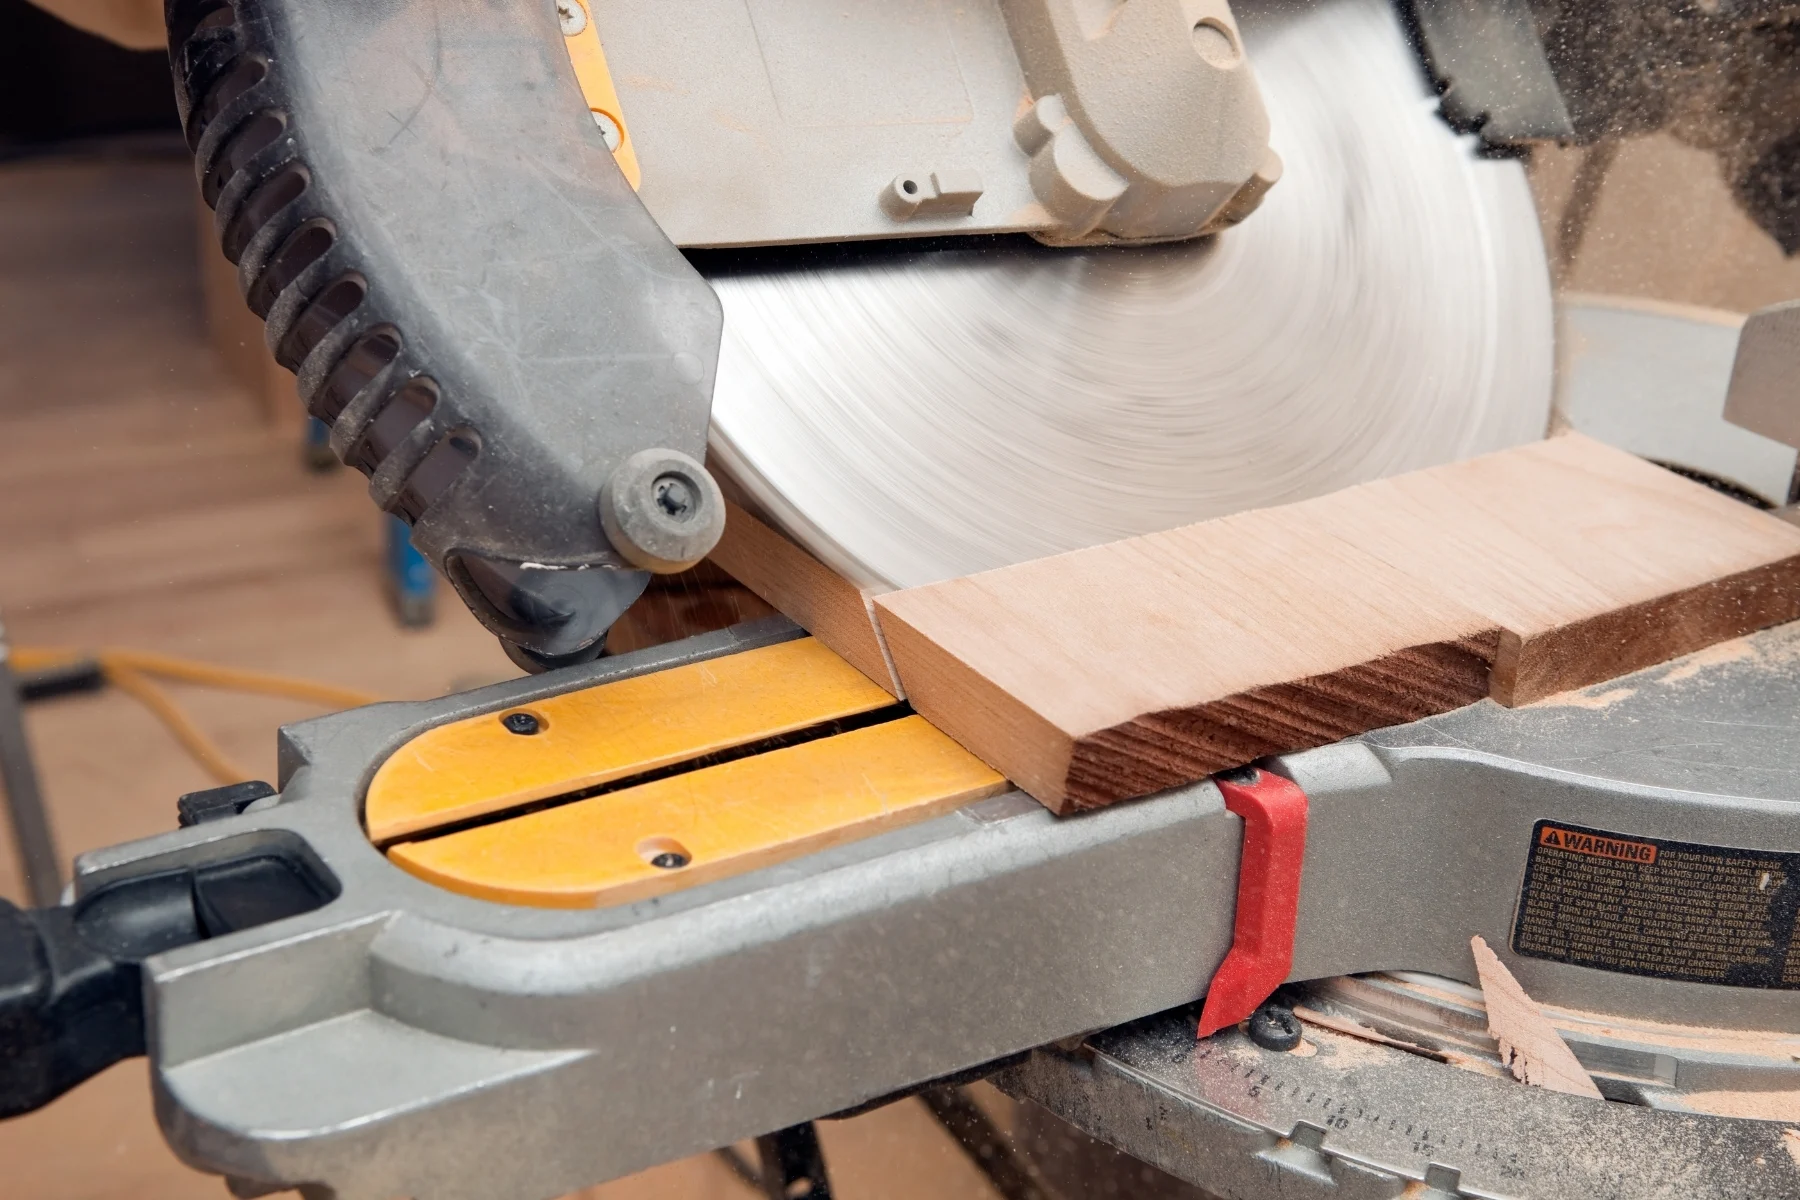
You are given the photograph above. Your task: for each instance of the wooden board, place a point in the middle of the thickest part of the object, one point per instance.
(1593, 562)
(1135, 666)
(1530, 1046)
(826, 605)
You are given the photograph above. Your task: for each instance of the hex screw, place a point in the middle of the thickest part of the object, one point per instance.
(674, 495)
(1275, 1027)
(521, 723)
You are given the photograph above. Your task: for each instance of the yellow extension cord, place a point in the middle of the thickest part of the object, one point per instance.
(135, 672)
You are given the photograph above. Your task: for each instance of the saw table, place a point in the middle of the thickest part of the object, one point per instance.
(315, 1014)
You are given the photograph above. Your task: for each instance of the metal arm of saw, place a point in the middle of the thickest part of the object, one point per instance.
(71, 999)
(473, 299)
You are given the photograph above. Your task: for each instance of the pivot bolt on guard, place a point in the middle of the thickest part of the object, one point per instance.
(662, 511)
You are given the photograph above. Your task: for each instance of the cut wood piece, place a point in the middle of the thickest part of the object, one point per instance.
(1593, 562)
(1127, 668)
(698, 600)
(1530, 1047)
(813, 596)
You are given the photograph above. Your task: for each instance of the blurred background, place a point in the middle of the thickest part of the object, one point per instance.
(162, 494)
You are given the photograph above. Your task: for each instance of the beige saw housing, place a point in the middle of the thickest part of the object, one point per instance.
(765, 122)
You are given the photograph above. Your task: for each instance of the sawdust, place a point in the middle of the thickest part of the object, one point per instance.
(1782, 1047)
(1779, 646)
(1305, 1049)
(1762, 1043)
(1586, 698)
(1736, 650)
(1757, 1106)
(1350, 1044)
(1347, 1052)
(1357, 1029)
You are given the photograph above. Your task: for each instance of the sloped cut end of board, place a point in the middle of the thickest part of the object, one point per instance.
(1143, 664)
(810, 594)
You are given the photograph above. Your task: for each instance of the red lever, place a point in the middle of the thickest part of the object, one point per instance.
(1268, 898)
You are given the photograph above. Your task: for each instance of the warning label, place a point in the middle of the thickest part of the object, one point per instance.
(1675, 910)
(1599, 847)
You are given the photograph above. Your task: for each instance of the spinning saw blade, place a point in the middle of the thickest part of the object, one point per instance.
(912, 414)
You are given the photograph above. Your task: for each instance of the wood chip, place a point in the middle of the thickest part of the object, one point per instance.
(1357, 1029)
(1529, 1045)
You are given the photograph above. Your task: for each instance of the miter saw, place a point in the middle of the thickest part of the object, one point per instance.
(995, 281)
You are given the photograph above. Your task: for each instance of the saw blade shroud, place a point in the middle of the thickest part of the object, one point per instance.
(914, 414)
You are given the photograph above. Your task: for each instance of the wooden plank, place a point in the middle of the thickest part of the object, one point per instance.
(1138, 665)
(722, 820)
(813, 596)
(1131, 667)
(477, 766)
(1594, 562)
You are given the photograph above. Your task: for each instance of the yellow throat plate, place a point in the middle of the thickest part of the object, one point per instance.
(477, 808)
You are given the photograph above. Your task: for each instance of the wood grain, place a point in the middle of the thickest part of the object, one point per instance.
(826, 605)
(1529, 1045)
(1132, 667)
(1592, 561)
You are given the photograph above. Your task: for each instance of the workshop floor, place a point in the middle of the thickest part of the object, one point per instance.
(149, 504)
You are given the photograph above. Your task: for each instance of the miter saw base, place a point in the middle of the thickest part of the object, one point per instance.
(382, 1037)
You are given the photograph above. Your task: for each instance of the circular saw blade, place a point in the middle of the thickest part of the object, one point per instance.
(912, 414)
